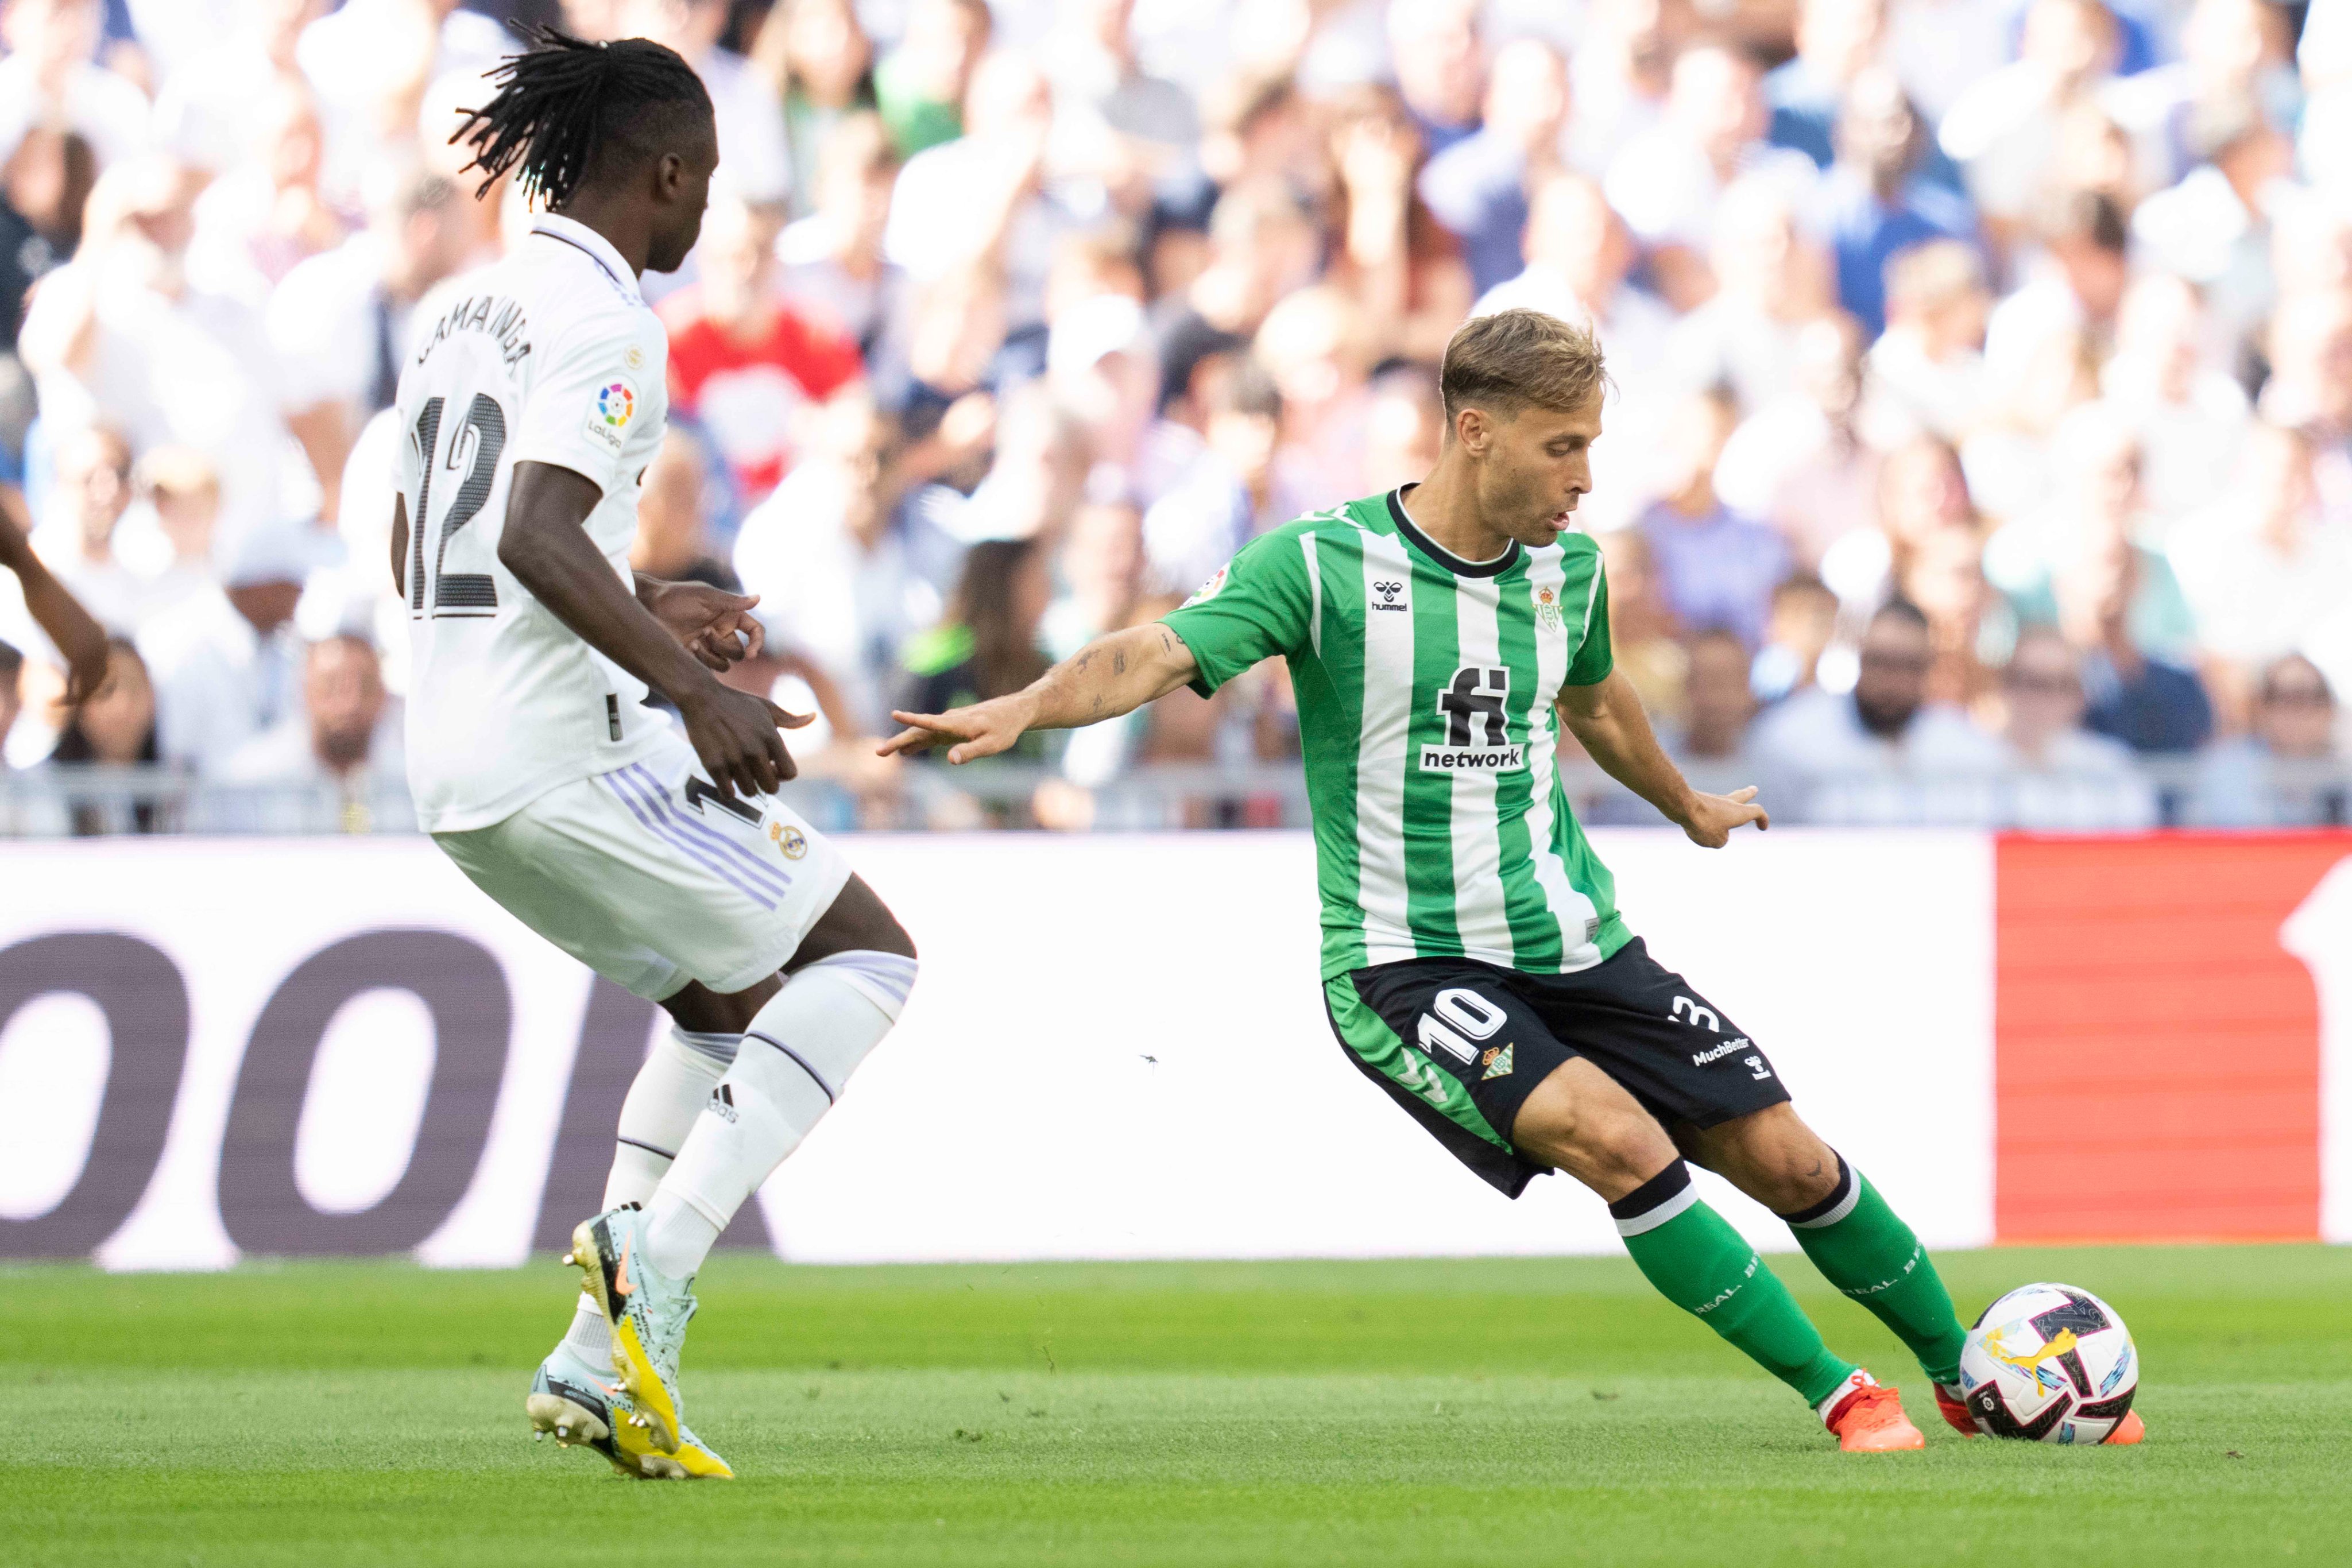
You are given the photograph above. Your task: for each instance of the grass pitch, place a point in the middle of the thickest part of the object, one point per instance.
(1491, 1412)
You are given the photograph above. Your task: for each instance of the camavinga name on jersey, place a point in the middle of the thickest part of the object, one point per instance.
(1426, 686)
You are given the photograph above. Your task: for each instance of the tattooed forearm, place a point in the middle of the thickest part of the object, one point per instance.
(1118, 662)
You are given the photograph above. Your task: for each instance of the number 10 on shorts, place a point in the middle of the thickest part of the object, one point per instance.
(1457, 1017)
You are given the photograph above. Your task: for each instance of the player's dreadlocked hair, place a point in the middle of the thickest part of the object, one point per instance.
(568, 106)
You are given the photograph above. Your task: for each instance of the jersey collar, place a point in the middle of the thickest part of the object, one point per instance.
(1439, 553)
(578, 236)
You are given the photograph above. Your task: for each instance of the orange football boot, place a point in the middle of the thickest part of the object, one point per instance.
(1868, 1418)
(2129, 1430)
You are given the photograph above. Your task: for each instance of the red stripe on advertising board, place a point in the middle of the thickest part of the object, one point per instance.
(2157, 1050)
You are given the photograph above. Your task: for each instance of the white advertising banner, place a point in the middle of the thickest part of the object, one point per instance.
(1117, 1049)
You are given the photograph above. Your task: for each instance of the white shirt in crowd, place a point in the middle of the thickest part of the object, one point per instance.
(108, 110)
(1820, 759)
(551, 357)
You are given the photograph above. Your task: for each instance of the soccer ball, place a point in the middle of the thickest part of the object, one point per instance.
(2049, 1363)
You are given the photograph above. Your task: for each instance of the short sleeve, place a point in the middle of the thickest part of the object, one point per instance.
(1593, 659)
(587, 400)
(1257, 605)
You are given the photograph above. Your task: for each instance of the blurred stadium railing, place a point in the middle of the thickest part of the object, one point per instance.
(94, 800)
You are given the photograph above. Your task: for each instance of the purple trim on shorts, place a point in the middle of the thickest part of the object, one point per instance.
(683, 845)
(717, 841)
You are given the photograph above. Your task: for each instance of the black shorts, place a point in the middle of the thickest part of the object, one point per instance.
(1461, 1045)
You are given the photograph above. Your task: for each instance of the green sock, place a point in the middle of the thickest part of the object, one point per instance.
(1862, 1248)
(1702, 1265)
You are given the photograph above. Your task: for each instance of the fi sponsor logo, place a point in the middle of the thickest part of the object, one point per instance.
(1477, 735)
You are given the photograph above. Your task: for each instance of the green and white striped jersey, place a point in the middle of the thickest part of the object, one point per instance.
(1425, 686)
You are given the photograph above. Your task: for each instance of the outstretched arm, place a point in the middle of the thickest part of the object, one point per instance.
(1607, 720)
(1107, 677)
(80, 639)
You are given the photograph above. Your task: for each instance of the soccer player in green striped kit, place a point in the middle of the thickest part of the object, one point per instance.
(1473, 962)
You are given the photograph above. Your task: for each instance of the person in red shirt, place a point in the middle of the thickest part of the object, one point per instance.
(745, 361)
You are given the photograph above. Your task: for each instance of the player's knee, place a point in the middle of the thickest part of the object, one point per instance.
(1773, 1157)
(1605, 1141)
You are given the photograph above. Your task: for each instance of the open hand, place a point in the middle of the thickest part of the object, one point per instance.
(735, 736)
(980, 731)
(1710, 819)
(716, 626)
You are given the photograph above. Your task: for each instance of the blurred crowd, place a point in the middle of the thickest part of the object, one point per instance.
(1979, 449)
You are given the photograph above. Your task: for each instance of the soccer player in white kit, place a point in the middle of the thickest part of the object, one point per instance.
(660, 859)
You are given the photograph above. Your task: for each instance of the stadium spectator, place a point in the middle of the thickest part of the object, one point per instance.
(1771, 279)
(1718, 706)
(2214, 229)
(2073, 290)
(746, 361)
(1836, 41)
(1670, 179)
(1883, 755)
(1797, 638)
(2004, 130)
(986, 195)
(1480, 186)
(92, 491)
(751, 146)
(1236, 489)
(2240, 783)
(1263, 245)
(2061, 776)
(51, 78)
(1440, 67)
(2188, 413)
(327, 768)
(1802, 463)
(43, 185)
(674, 508)
(1718, 567)
(988, 643)
(1926, 370)
(834, 575)
(1922, 489)
(1399, 264)
(370, 63)
(2269, 570)
(123, 335)
(1404, 428)
(339, 323)
(1874, 201)
(226, 662)
(1970, 626)
(833, 257)
(1618, 78)
(265, 214)
(114, 727)
(1644, 640)
(2149, 704)
(816, 59)
(921, 84)
(1116, 123)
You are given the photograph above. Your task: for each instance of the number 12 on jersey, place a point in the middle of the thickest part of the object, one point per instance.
(474, 447)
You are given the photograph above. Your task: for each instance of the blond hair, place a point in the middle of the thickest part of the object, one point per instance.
(1518, 359)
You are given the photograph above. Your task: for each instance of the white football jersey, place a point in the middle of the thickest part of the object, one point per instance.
(550, 356)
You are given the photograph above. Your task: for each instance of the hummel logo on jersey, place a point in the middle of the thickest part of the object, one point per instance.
(1392, 593)
(1477, 737)
(1701, 1058)
(722, 1104)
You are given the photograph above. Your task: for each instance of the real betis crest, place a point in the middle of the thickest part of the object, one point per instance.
(1547, 606)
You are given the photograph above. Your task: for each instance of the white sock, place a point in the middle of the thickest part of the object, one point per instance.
(797, 1057)
(665, 1096)
(589, 1335)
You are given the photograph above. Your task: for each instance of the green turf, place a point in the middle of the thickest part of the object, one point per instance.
(1507, 1412)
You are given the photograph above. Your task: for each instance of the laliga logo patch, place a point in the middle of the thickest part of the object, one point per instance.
(615, 405)
(1209, 589)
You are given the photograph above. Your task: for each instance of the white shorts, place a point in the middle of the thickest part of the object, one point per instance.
(652, 878)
